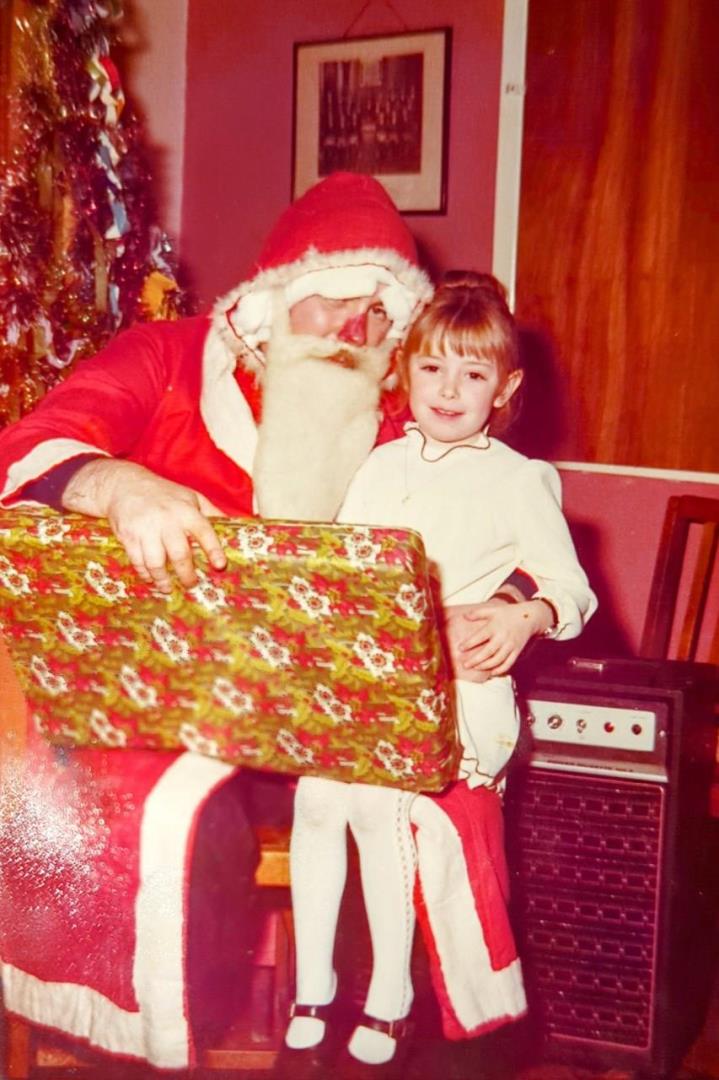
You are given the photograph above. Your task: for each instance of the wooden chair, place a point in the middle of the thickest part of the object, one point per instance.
(239, 1049)
(686, 566)
(682, 621)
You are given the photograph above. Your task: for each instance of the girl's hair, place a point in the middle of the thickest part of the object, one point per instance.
(469, 316)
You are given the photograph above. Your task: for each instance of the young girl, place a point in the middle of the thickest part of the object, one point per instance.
(483, 510)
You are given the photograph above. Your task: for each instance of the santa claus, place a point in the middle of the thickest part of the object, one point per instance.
(268, 405)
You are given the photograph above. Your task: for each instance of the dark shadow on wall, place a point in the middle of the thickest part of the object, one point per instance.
(542, 424)
(604, 636)
(429, 260)
(540, 431)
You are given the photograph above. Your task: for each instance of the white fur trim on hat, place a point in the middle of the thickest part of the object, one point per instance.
(251, 318)
(345, 282)
(242, 318)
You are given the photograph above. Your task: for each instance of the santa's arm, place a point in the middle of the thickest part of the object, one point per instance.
(100, 410)
(70, 453)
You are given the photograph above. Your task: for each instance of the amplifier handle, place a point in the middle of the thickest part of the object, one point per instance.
(588, 663)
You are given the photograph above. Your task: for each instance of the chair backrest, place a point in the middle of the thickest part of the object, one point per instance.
(685, 567)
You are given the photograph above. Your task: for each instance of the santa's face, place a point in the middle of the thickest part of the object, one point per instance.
(358, 320)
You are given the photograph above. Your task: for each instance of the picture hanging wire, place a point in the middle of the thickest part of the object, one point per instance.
(376, 3)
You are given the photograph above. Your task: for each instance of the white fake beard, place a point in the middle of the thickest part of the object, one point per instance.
(320, 402)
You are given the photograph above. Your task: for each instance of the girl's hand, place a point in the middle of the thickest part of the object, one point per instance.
(486, 639)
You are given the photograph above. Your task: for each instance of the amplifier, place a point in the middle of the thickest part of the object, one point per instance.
(612, 853)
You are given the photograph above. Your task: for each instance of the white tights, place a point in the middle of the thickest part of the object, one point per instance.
(379, 819)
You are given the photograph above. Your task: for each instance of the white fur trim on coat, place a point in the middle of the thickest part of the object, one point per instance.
(41, 459)
(224, 408)
(480, 994)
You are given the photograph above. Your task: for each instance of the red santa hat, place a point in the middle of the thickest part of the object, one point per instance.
(343, 238)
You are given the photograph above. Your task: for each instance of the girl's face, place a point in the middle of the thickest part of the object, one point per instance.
(452, 396)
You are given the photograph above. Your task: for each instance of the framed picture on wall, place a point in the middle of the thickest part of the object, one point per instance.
(377, 105)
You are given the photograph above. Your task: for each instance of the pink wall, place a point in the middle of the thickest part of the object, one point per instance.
(154, 34)
(239, 126)
(616, 522)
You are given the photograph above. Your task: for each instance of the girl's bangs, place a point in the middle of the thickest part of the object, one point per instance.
(485, 341)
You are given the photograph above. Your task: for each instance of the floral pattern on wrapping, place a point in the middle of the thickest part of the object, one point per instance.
(52, 530)
(339, 712)
(193, 740)
(360, 548)
(315, 650)
(137, 689)
(173, 646)
(432, 705)
(107, 587)
(74, 634)
(412, 601)
(237, 701)
(253, 541)
(48, 680)
(400, 767)
(377, 661)
(106, 732)
(207, 593)
(16, 582)
(276, 655)
(313, 603)
(292, 746)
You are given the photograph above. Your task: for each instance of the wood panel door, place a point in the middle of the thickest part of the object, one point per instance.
(618, 259)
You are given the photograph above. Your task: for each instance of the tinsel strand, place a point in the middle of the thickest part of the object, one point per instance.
(81, 251)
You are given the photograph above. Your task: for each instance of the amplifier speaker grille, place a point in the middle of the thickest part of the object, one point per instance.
(613, 856)
(588, 862)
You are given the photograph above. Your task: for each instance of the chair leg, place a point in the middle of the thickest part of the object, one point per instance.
(284, 971)
(17, 1048)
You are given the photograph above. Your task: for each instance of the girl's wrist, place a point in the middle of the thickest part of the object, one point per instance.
(547, 613)
(541, 613)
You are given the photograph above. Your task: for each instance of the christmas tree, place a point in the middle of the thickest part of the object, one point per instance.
(81, 253)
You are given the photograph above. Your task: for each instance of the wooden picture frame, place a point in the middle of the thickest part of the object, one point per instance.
(376, 105)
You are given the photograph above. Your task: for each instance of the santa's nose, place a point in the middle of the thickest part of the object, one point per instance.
(354, 330)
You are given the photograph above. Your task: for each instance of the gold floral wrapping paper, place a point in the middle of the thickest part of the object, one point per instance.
(315, 652)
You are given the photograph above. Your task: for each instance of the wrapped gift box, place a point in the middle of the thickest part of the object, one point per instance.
(316, 651)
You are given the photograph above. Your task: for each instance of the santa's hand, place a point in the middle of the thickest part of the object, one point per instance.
(154, 519)
(486, 639)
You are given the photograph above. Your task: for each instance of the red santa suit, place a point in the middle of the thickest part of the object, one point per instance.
(95, 847)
